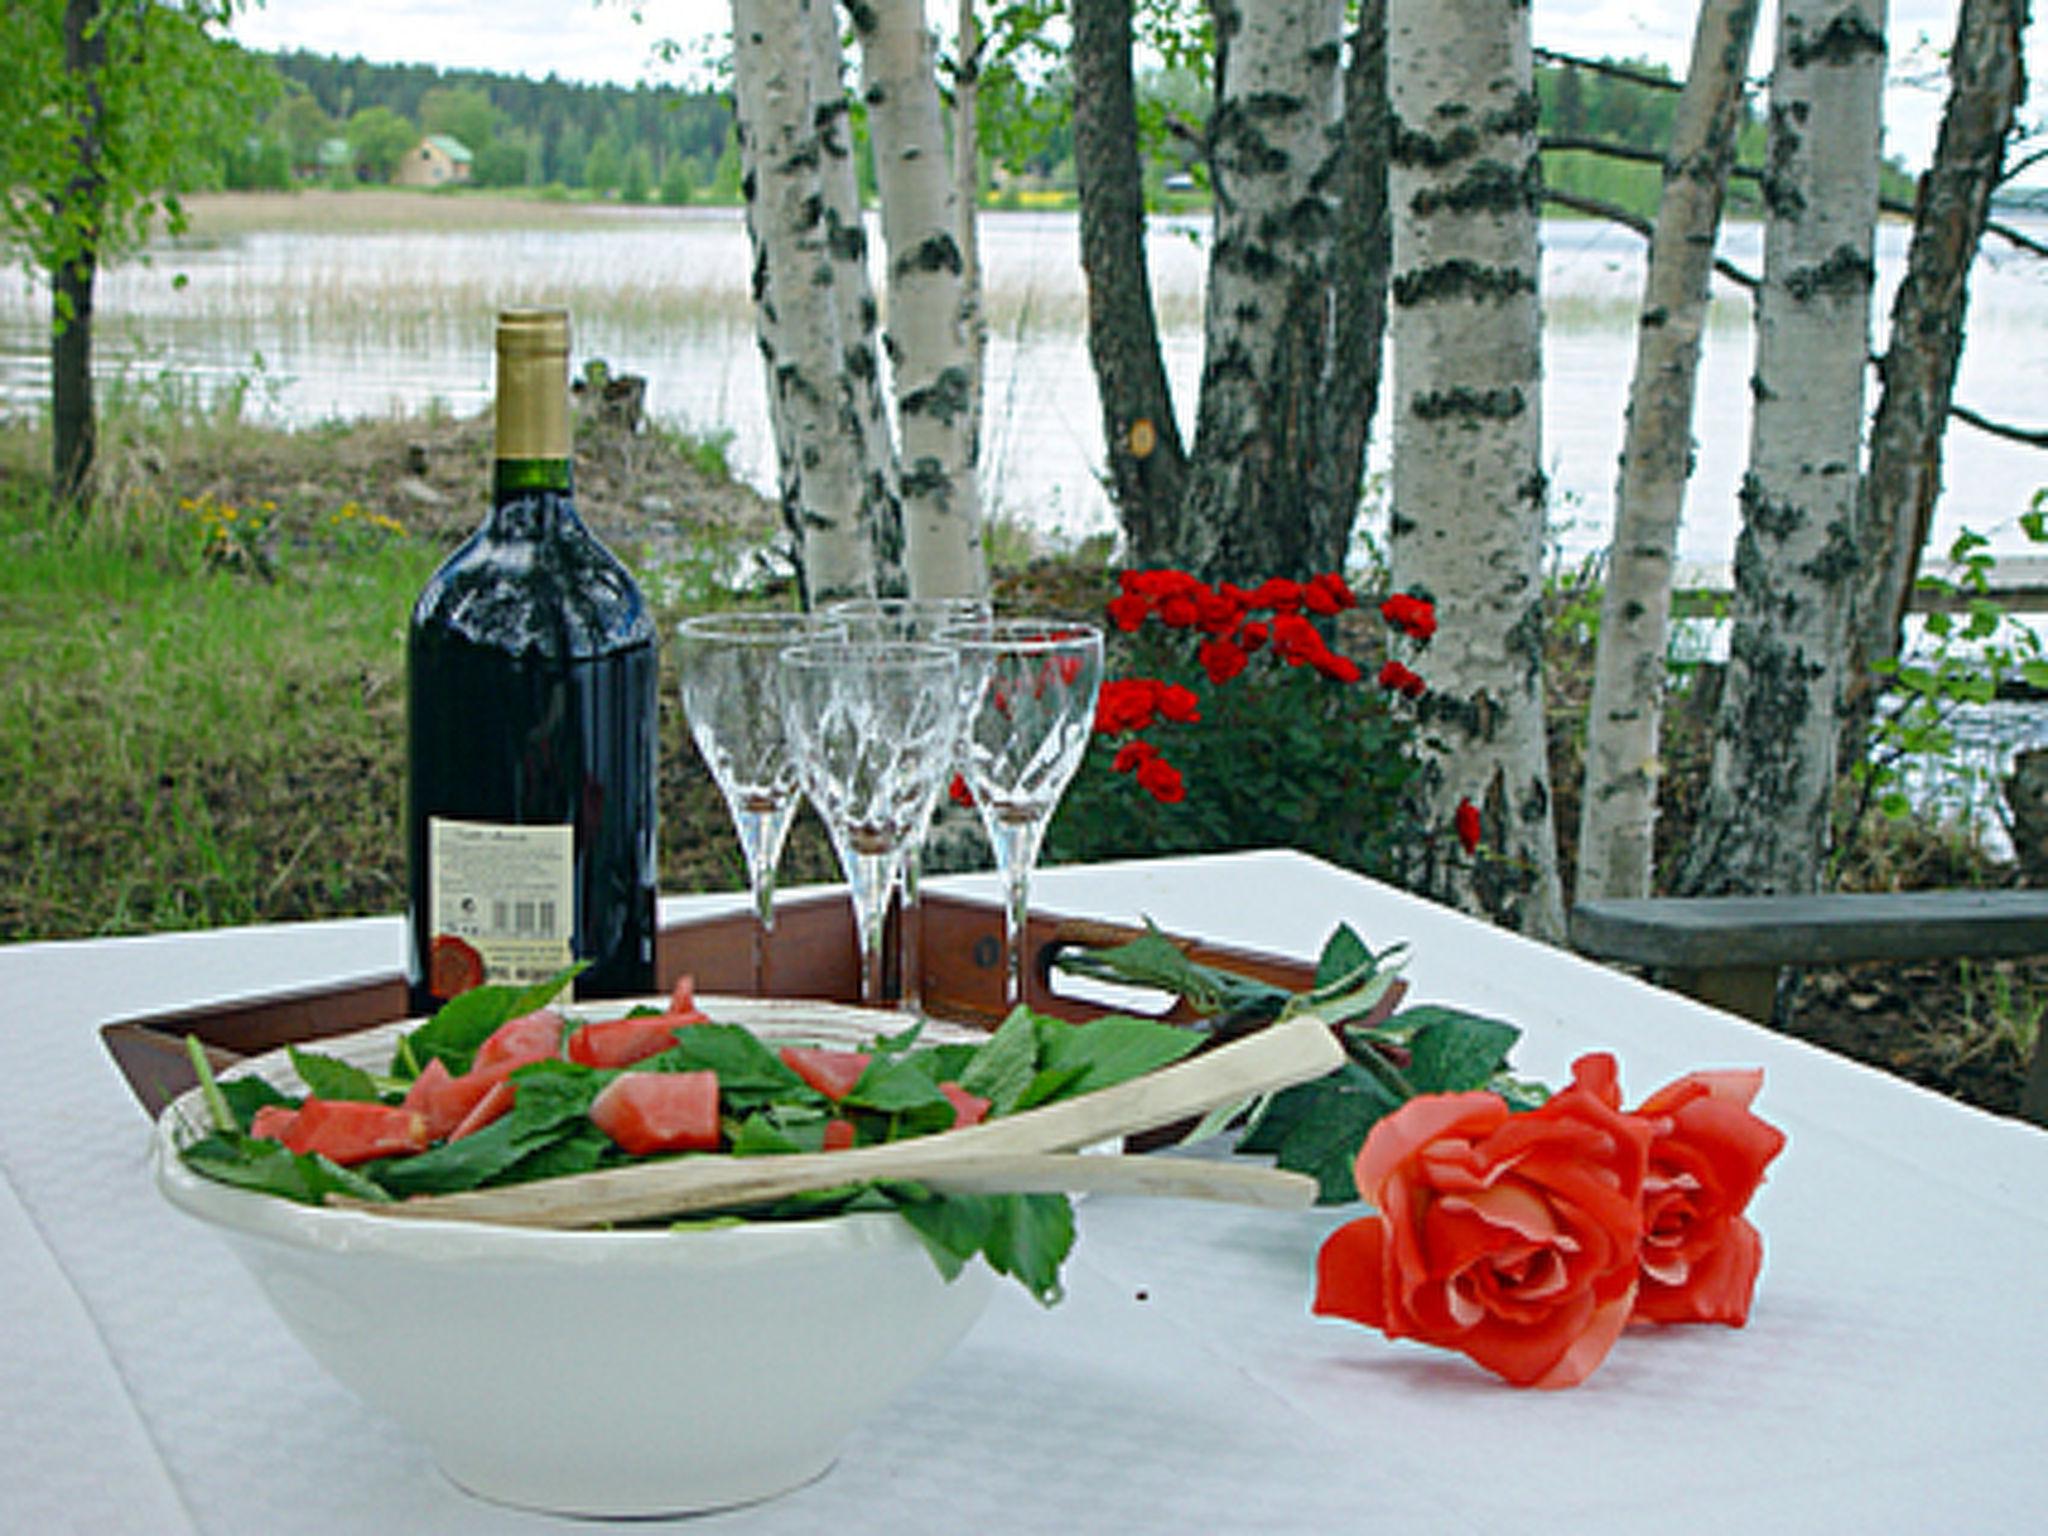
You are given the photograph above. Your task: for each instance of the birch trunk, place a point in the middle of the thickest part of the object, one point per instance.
(1987, 83)
(1764, 824)
(1469, 490)
(967, 192)
(853, 296)
(1619, 806)
(929, 353)
(1141, 434)
(1358, 299)
(1267, 332)
(797, 322)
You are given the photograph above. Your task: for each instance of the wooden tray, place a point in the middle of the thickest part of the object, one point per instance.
(811, 955)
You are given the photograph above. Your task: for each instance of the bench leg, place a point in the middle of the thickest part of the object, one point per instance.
(2034, 1096)
(1751, 991)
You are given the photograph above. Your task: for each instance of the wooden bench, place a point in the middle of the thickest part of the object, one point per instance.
(1729, 950)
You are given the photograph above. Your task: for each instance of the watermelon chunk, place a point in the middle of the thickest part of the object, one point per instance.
(968, 1108)
(832, 1073)
(530, 1037)
(621, 1042)
(350, 1131)
(647, 1112)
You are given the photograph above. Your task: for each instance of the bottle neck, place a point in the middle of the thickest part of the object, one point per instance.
(531, 498)
(531, 485)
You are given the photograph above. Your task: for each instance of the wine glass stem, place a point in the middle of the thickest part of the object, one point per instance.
(764, 928)
(871, 876)
(763, 827)
(1014, 841)
(910, 935)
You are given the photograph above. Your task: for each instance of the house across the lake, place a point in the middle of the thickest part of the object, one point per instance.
(436, 161)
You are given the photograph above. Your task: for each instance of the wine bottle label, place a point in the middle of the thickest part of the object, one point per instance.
(502, 900)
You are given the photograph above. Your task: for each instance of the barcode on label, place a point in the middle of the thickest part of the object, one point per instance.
(524, 919)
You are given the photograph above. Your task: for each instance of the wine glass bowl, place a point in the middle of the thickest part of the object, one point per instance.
(728, 665)
(1028, 689)
(872, 728)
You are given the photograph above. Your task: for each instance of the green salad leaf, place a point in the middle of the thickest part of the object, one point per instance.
(466, 1021)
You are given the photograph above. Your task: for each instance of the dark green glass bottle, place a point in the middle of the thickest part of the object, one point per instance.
(531, 723)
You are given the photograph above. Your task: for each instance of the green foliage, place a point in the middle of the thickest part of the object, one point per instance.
(378, 139)
(1588, 104)
(1282, 757)
(173, 97)
(1974, 648)
(519, 132)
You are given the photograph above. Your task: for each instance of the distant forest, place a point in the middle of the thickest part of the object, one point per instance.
(347, 121)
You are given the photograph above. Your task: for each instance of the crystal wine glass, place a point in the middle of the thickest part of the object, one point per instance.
(872, 726)
(1028, 704)
(728, 664)
(908, 618)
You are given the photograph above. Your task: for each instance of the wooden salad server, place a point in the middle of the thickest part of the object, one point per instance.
(1031, 1150)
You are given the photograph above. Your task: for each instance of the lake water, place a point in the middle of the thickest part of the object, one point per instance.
(310, 326)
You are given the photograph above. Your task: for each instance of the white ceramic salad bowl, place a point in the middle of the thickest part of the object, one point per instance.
(624, 1373)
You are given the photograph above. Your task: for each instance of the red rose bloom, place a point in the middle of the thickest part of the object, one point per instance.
(1133, 755)
(1708, 1152)
(1223, 660)
(1466, 818)
(1124, 704)
(1276, 593)
(1161, 780)
(1396, 678)
(1175, 703)
(959, 793)
(1413, 616)
(1128, 611)
(1512, 1238)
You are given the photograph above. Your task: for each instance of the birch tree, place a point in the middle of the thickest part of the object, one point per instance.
(1141, 435)
(1987, 83)
(853, 294)
(1619, 804)
(967, 51)
(819, 437)
(1469, 492)
(930, 312)
(1763, 826)
(1273, 139)
(1295, 303)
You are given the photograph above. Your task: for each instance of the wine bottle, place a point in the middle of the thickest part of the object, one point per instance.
(531, 723)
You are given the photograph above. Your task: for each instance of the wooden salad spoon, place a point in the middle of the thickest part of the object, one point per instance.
(1032, 1150)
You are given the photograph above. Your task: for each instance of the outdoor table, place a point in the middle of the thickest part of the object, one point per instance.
(1891, 1379)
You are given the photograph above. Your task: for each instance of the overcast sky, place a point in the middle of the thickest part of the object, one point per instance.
(602, 40)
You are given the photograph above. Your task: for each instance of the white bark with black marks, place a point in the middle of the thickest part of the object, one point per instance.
(1987, 84)
(929, 355)
(853, 295)
(1764, 825)
(1469, 493)
(1618, 808)
(1267, 333)
(820, 451)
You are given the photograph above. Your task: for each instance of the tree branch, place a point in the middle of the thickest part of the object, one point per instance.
(1600, 208)
(1607, 67)
(1614, 213)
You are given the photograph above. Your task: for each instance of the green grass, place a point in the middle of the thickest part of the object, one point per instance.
(186, 740)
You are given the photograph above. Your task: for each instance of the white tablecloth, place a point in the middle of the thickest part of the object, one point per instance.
(1891, 1379)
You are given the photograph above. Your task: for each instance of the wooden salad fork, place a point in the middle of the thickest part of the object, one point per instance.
(1034, 1150)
